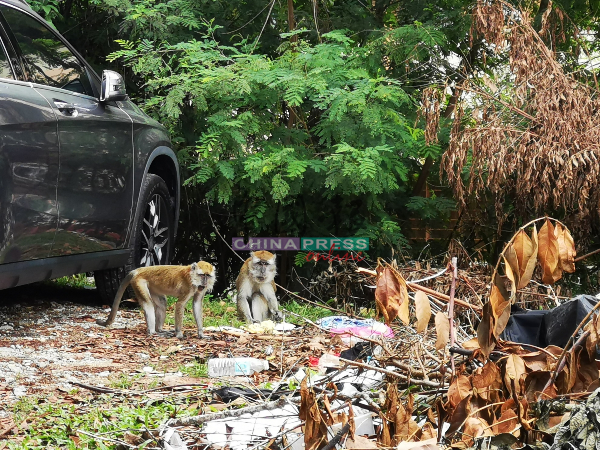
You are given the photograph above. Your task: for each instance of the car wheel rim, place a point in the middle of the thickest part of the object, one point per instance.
(155, 233)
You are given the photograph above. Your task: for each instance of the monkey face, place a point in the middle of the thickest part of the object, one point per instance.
(263, 268)
(203, 275)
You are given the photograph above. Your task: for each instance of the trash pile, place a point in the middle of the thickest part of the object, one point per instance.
(438, 371)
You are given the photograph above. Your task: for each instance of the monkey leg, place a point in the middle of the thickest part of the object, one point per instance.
(160, 308)
(179, 311)
(197, 307)
(260, 309)
(144, 297)
(243, 303)
(268, 293)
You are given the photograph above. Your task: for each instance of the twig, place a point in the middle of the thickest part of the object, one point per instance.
(337, 438)
(197, 420)
(164, 388)
(451, 309)
(101, 390)
(102, 438)
(586, 255)
(560, 364)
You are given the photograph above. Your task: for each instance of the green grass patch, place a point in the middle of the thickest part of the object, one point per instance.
(308, 311)
(77, 281)
(195, 369)
(217, 312)
(53, 426)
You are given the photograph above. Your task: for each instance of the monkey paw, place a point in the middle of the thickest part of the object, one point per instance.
(167, 334)
(277, 316)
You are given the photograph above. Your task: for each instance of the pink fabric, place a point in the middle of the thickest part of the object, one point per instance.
(382, 330)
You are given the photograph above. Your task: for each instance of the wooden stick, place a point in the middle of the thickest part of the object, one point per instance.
(587, 254)
(451, 309)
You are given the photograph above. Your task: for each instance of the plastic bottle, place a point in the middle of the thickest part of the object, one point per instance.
(227, 367)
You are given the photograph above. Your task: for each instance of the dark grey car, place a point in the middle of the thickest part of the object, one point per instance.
(88, 182)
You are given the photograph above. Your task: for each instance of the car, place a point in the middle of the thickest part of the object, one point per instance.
(88, 182)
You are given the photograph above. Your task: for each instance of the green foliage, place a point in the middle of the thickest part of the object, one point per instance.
(318, 123)
(314, 137)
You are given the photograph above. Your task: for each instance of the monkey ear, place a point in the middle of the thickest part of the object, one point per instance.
(194, 266)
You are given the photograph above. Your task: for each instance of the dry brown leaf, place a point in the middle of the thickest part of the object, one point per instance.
(487, 381)
(513, 371)
(498, 301)
(471, 344)
(536, 361)
(458, 390)
(548, 254)
(485, 330)
(422, 310)
(390, 294)
(428, 431)
(475, 427)
(403, 311)
(526, 250)
(593, 339)
(502, 321)
(566, 248)
(511, 265)
(360, 442)
(507, 423)
(427, 444)
(535, 382)
(442, 330)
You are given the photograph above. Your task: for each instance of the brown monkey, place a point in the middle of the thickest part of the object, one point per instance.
(152, 284)
(256, 300)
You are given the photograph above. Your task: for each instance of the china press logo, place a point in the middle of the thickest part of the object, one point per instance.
(353, 246)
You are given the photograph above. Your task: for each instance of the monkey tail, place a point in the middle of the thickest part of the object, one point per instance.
(117, 301)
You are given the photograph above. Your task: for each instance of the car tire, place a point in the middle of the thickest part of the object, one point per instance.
(151, 241)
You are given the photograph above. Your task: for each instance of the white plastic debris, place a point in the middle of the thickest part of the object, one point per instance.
(173, 441)
(20, 391)
(284, 326)
(251, 429)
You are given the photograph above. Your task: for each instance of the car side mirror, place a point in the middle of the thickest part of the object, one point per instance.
(113, 87)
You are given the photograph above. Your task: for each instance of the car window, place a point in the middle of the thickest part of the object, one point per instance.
(49, 61)
(5, 70)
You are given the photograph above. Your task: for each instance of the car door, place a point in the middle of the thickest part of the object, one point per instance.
(95, 184)
(29, 157)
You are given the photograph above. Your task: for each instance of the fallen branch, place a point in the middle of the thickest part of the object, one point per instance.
(197, 420)
(101, 390)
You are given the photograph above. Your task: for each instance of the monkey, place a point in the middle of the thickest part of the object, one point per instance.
(152, 284)
(256, 300)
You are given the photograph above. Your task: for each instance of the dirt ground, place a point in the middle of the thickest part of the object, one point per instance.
(49, 338)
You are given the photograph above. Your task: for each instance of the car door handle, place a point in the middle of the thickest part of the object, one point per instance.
(65, 108)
